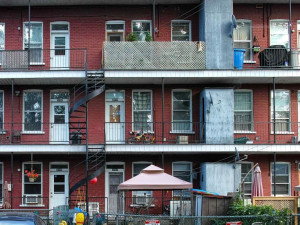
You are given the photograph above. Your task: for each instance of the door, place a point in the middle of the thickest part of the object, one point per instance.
(115, 36)
(115, 203)
(114, 126)
(59, 189)
(59, 123)
(59, 53)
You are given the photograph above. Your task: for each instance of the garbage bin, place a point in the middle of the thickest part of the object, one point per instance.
(294, 60)
(239, 58)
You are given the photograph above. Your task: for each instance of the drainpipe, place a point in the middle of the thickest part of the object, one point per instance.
(11, 178)
(274, 175)
(290, 24)
(163, 108)
(274, 113)
(12, 111)
(29, 26)
(153, 20)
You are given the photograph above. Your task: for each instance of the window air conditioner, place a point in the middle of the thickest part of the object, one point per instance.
(185, 208)
(142, 199)
(93, 207)
(31, 199)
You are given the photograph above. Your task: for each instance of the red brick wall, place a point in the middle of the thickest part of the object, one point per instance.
(87, 25)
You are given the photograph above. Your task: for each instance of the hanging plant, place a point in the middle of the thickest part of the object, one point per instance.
(32, 175)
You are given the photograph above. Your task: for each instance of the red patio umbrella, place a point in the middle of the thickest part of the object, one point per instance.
(257, 187)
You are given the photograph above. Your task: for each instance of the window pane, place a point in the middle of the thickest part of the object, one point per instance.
(60, 27)
(279, 33)
(115, 26)
(182, 166)
(138, 167)
(181, 95)
(2, 36)
(118, 96)
(1, 101)
(141, 101)
(140, 29)
(181, 116)
(35, 167)
(242, 31)
(36, 34)
(59, 188)
(59, 95)
(180, 31)
(181, 105)
(33, 121)
(282, 178)
(33, 101)
(32, 188)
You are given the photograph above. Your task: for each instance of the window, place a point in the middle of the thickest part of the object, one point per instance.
(33, 110)
(282, 178)
(140, 196)
(32, 190)
(36, 41)
(1, 182)
(243, 111)
(247, 185)
(282, 109)
(279, 32)
(142, 110)
(2, 40)
(59, 96)
(141, 28)
(115, 30)
(181, 30)
(1, 110)
(242, 37)
(183, 171)
(181, 110)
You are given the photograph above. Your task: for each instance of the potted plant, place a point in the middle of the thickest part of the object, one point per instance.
(256, 46)
(32, 175)
(131, 37)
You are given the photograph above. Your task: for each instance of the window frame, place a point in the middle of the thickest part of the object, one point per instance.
(271, 110)
(42, 43)
(60, 31)
(151, 110)
(178, 21)
(247, 41)
(252, 173)
(140, 191)
(2, 128)
(191, 111)
(42, 112)
(289, 175)
(252, 114)
(23, 182)
(141, 21)
(191, 171)
(277, 20)
(3, 42)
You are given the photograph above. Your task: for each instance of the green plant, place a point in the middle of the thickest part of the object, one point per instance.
(148, 37)
(131, 37)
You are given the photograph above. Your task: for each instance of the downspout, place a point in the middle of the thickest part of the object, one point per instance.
(153, 20)
(12, 111)
(290, 24)
(29, 28)
(274, 174)
(274, 130)
(163, 109)
(11, 178)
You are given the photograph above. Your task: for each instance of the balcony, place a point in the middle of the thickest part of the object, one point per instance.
(42, 60)
(154, 56)
(158, 133)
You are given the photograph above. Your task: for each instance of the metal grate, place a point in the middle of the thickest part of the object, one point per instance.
(179, 55)
(14, 60)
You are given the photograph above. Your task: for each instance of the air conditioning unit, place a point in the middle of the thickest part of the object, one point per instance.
(182, 140)
(31, 199)
(142, 199)
(186, 209)
(93, 207)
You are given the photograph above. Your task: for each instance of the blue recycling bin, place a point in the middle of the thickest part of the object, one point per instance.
(239, 58)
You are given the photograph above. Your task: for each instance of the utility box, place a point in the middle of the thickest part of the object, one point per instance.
(221, 178)
(217, 116)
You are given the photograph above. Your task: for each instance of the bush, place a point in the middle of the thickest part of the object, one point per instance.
(131, 37)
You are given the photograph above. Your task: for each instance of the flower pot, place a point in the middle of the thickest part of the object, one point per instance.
(31, 179)
(256, 49)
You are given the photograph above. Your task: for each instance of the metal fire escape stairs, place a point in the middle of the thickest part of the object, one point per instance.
(95, 158)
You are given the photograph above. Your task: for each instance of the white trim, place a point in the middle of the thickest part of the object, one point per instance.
(277, 20)
(141, 21)
(42, 112)
(58, 91)
(114, 22)
(112, 91)
(59, 163)
(252, 114)
(60, 31)
(42, 55)
(271, 176)
(191, 111)
(41, 183)
(2, 128)
(184, 21)
(151, 109)
(247, 41)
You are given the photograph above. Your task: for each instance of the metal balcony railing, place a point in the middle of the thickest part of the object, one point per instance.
(154, 55)
(43, 59)
(151, 133)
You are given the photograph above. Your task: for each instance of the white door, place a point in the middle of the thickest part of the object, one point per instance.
(59, 53)
(114, 122)
(59, 189)
(115, 203)
(59, 123)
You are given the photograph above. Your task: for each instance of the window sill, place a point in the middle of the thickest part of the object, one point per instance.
(283, 132)
(140, 205)
(33, 132)
(135, 132)
(32, 206)
(182, 132)
(250, 62)
(244, 132)
(37, 64)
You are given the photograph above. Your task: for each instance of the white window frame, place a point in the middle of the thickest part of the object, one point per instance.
(247, 41)
(111, 31)
(142, 90)
(252, 118)
(191, 111)
(2, 128)
(271, 110)
(42, 47)
(42, 112)
(278, 20)
(2, 189)
(141, 21)
(41, 183)
(182, 21)
(182, 162)
(252, 173)
(3, 40)
(60, 31)
(271, 176)
(57, 91)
